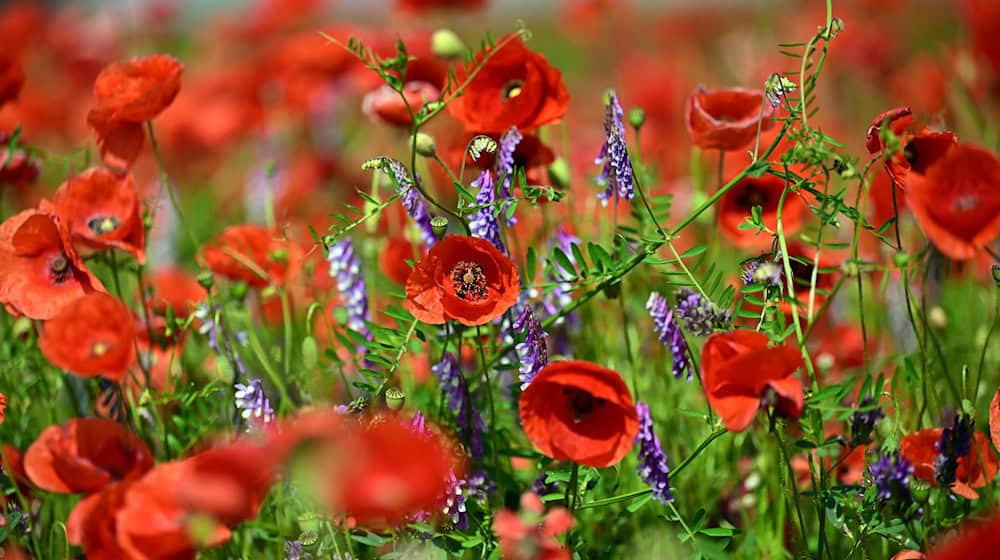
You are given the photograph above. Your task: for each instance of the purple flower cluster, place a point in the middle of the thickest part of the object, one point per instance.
(413, 201)
(456, 391)
(253, 404)
(863, 421)
(345, 268)
(293, 551)
(454, 503)
(955, 443)
(652, 461)
(617, 174)
(542, 487)
(504, 168)
(484, 224)
(532, 351)
(669, 332)
(700, 315)
(891, 477)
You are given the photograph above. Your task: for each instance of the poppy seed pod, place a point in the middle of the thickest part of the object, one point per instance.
(446, 44)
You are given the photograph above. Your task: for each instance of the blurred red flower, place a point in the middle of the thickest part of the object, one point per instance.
(11, 78)
(40, 271)
(251, 253)
(765, 191)
(462, 278)
(392, 259)
(426, 5)
(917, 148)
(975, 470)
(173, 288)
(84, 455)
(581, 412)
(975, 540)
(726, 119)
(741, 373)
(101, 209)
(515, 87)
(94, 335)
(3, 406)
(17, 166)
(956, 201)
(532, 536)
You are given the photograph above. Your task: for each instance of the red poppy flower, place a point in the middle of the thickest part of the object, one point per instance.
(92, 523)
(975, 470)
(515, 87)
(462, 278)
(581, 412)
(94, 335)
(40, 271)
(741, 373)
(102, 210)
(3, 406)
(17, 166)
(955, 200)
(392, 259)
(765, 191)
(176, 289)
(11, 78)
(918, 146)
(251, 253)
(532, 536)
(137, 90)
(229, 482)
(726, 119)
(85, 455)
(426, 5)
(975, 540)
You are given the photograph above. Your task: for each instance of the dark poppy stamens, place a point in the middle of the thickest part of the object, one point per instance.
(512, 89)
(582, 403)
(469, 281)
(102, 225)
(753, 197)
(60, 267)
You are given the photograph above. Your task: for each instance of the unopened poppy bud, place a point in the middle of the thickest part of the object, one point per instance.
(559, 173)
(239, 290)
(394, 398)
(445, 43)
(636, 117)
(439, 225)
(206, 279)
(900, 259)
(937, 318)
(309, 352)
(425, 145)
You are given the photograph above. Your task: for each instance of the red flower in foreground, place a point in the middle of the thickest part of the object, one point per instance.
(85, 455)
(976, 540)
(94, 335)
(726, 119)
(919, 449)
(741, 373)
(765, 191)
(516, 87)
(229, 482)
(425, 5)
(11, 78)
(129, 94)
(532, 536)
(251, 253)
(581, 412)
(40, 271)
(101, 209)
(462, 278)
(956, 200)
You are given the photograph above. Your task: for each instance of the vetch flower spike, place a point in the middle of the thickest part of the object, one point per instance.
(617, 174)
(669, 332)
(652, 465)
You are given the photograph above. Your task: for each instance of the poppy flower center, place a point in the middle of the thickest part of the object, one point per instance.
(59, 267)
(98, 349)
(582, 403)
(964, 203)
(754, 197)
(469, 280)
(512, 89)
(101, 225)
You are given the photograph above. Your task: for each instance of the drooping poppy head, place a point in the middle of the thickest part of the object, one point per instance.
(581, 412)
(392, 259)
(741, 373)
(84, 455)
(975, 540)
(175, 289)
(726, 119)
(956, 201)
(101, 209)
(385, 105)
(119, 141)
(93, 335)
(765, 191)
(251, 253)
(515, 87)
(40, 271)
(137, 90)
(975, 470)
(11, 78)
(462, 278)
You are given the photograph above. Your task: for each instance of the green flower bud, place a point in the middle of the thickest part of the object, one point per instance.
(440, 226)
(425, 145)
(309, 352)
(239, 290)
(394, 398)
(559, 173)
(900, 259)
(636, 117)
(206, 279)
(445, 43)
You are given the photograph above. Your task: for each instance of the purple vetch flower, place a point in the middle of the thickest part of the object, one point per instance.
(345, 268)
(456, 390)
(533, 352)
(891, 478)
(293, 551)
(253, 404)
(454, 503)
(955, 443)
(652, 461)
(542, 487)
(617, 174)
(478, 486)
(413, 201)
(669, 332)
(863, 421)
(504, 168)
(483, 223)
(700, 315)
